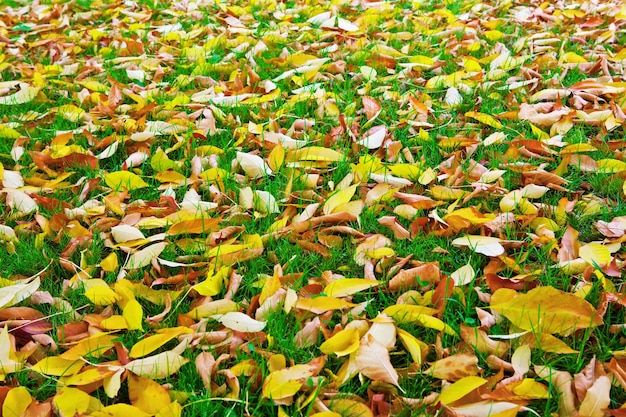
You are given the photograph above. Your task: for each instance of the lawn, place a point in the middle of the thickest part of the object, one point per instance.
(329, 209)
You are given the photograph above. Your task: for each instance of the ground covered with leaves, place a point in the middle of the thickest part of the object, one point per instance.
(303, 209)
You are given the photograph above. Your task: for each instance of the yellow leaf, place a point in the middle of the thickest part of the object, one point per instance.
(428, 176)
(350, 408)
(493, 35)
(441, 192)
(9, 361)
(101, 295)
(413, 345)
(16, 402)
(572, 58)
(150, 344)
(407, 171)
(71, 113)
(485, 119)
(380, 253)
(529, 389)
(348, 286)
(147, 395)
(342, 343)
(94, 85)
(8, 133)
(595, 254)
(119, 410)
(215, 307)
(266, 98)
(88, 377)
(172, 177)
(276, 158)
(71, 401)
(57, 366)
(124, 180)
(133, 313)
(435, 83)
(161, 162)
(435, 323)
(545, 310)
(172, 410)
(422, 60)
(314, 153)
(319, 305)
(611, 166)
(95, 346)
(284, 383)
(455, 78)
(213, 283)
(339, 198)
(109, 264)
(471, 65)
(271, 285)
(578, 148)
(460, 389)
(115, 322)
(214, 174)
(407, 313)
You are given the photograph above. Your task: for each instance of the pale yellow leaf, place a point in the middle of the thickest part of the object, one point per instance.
(240, 322)
(464, 275)
(145, 256)
(157, 366)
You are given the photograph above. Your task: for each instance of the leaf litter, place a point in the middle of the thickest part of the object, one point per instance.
(431, 194)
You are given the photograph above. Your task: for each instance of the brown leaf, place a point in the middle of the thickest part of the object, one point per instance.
(427, 273)
(373, 361)
(454, 367)
(587, 377)
(371, 107)
(309, 334)
(204, 366)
